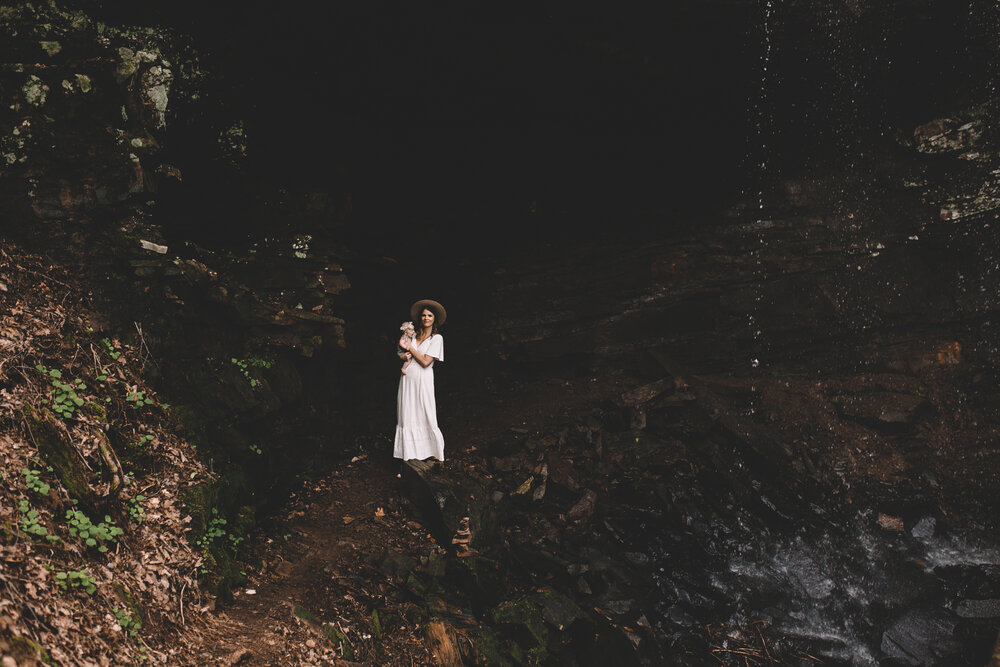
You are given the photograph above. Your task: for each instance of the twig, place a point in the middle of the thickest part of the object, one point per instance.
(182, 603)
(97, 360)
(43, 275)
(763, 642)
(142, 345)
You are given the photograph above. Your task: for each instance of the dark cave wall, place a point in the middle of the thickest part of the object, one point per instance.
(346, 138)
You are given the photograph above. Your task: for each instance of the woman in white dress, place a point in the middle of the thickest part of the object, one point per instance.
(417, 432)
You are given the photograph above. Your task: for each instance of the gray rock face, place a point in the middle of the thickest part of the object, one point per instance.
(924, 528)
(978, 608)
(884, 410)
(921, 637)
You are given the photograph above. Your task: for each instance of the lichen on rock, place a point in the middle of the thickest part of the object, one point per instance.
(34, 91)
(156, 88)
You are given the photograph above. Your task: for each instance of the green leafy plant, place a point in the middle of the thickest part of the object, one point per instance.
(112, 352)
(216, 531)
(135, 510)
(244, 366)
(93, 535)
(34, 482)
(76, 579)
(63, 397)
(31, 523)
(144, 440)
(130, 625)
(256, 449)
(138, 398)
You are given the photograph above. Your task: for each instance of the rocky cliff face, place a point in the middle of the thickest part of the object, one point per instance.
(112, 127)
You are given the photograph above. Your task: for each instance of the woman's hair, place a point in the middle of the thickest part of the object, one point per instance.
(434, 324)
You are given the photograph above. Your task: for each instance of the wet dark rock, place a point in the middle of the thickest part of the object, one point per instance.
(885, 410)
(449, 504)
(561, 471)
(969, 581)
(921, 637)
(481, 580)
(560, 611)
(397, 566)
(552, 629)
(584, 507)
(943, 135)
(637, 558)
(924, 528)
(978, 608)
(618, 607)
(915, 357)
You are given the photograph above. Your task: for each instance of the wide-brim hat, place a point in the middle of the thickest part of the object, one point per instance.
(440, 314)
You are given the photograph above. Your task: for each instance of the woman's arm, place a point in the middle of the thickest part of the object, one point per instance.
(421, 358)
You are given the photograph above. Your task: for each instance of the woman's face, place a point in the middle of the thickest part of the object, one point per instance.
(426, 318)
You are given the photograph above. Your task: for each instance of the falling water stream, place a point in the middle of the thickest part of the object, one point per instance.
(822, 579)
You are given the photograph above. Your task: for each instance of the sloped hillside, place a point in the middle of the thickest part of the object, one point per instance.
(95, 561)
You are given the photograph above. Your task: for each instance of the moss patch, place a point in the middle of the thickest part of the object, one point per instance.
(24, 650)
(53, 444)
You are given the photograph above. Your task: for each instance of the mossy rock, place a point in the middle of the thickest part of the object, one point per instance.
(450, 501)
(396, 566)
(486, 648)
(198, 501)
(244, 520)
(221, 571)
(550, 628)
(523, 621)
(24, 650)
(433, 565)
(479, 579)
(416, 586)
(59, 452)
(558, 610)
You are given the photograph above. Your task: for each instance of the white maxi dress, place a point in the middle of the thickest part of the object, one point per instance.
(417, 432)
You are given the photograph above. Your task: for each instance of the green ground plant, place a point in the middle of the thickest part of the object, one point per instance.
(31, 523)
(138, 398)
(33, 481)
(76, 579)
(216, 532)
(112, 352)
(135, 509)
(63, 397)
(130, 624)
(244, 366)
(94, 535)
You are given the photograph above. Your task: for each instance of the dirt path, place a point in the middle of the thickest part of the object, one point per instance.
(319, 557)
(312, 581)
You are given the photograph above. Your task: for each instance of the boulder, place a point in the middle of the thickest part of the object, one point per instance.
(921, 637)
(884, 410)
(457, 510)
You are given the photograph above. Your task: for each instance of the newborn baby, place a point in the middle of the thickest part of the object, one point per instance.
(411, 333)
